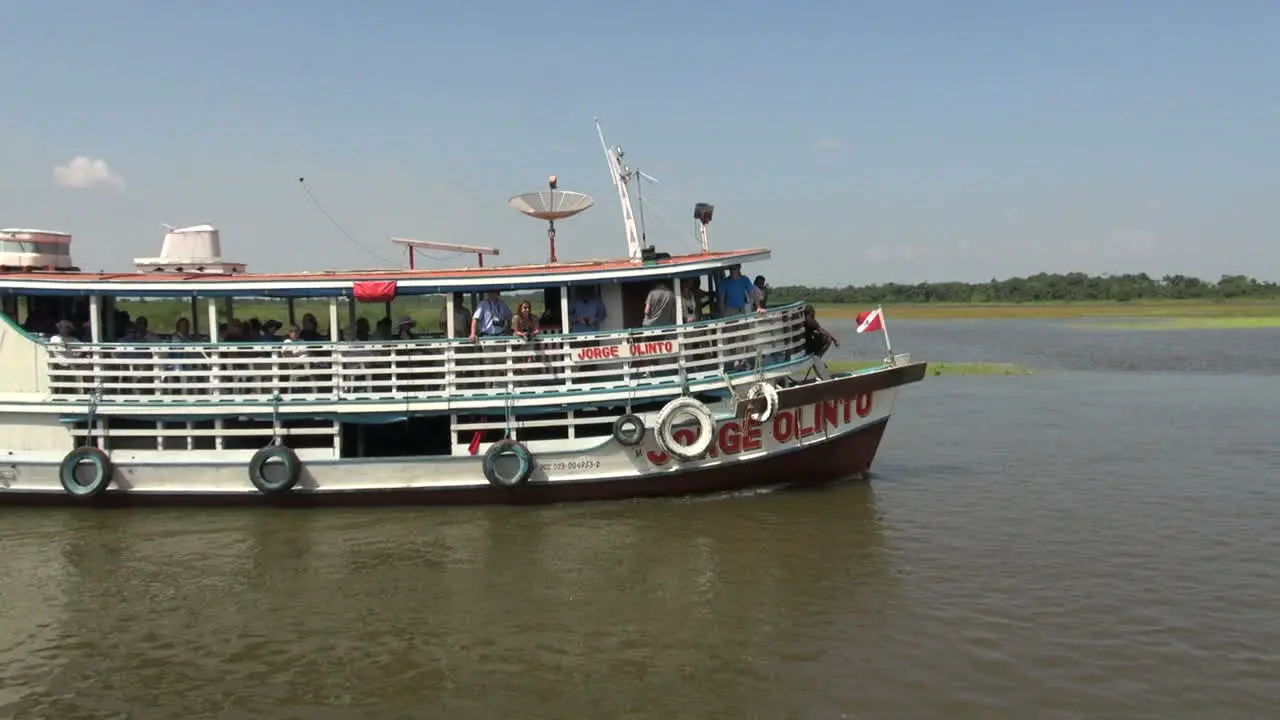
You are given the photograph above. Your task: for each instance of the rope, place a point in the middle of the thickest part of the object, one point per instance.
(275, 419)
(94, 398)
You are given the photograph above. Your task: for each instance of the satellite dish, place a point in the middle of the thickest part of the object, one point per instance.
(551, 204)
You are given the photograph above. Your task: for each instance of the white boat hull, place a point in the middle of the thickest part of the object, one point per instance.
(821, 432)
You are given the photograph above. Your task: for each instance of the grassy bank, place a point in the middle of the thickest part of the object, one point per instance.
(1243, 322)
(1266, 311)
(941, 368)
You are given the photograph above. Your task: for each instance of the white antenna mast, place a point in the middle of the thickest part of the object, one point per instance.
(702, 213)
(614, 156)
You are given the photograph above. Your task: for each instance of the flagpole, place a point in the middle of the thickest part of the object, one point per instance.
(884, 328)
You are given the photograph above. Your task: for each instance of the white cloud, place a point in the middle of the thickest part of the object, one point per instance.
(829, 145)
(86, 172)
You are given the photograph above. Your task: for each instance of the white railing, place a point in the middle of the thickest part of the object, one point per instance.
(437, 369)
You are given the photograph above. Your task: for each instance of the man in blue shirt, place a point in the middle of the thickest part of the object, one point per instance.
(735, 292)
(491, 317)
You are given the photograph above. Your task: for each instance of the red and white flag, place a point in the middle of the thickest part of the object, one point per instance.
(871, 320)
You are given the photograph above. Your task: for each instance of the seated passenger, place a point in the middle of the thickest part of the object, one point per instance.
(65, 333)
(269, 329)
(404, 328)
(817, 341)
(311, 329)
(141, 333)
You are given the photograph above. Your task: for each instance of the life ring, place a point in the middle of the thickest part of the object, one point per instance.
(629, 430)
(770, 395)
(282, 481)
(664, 431)
(78, 458)
(507, 448)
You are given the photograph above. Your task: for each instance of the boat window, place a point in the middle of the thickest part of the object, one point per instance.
(40, 314)
(593, 308)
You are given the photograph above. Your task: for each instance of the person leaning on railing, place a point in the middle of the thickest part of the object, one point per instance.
(817, 341)
(61, 349)
(524, 325)
(491, 319)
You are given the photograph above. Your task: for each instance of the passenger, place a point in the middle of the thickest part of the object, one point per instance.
(659, 310)
(689, 299)
(382, 331)
(253, 329)
(659, 306)
(404, 327)
(235, 332)
(586, 312)
(491, 317)
(181, 331)
(524, 324)
(296, 356)
(461, 317)
(735, 292)
(817, 341)
(362, 330)
(64, 337)
(64, 333)
(181, 334)
(141, 333)
(311, 329)
(760, 292)
(294, 336)
(269, 329)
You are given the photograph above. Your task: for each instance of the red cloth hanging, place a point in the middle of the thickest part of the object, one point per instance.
(375, 291)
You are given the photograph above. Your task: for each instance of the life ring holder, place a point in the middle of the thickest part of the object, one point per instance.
(770, 395)
(664, 430)
(507, 448)
(282, 454)
(629, 430)
(104, 471)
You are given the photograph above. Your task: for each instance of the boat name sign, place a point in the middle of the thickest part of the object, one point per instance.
(605, 353)
(734, 437)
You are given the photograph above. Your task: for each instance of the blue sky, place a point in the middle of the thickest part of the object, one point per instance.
(862, 141)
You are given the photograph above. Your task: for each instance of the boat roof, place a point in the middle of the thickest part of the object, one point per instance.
(341, 282)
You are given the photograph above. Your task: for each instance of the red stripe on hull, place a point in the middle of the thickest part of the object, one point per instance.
(847, 456)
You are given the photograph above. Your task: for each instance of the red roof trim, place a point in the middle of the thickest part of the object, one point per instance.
(367, 275)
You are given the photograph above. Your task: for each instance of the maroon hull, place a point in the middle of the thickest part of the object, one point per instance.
(847, 456)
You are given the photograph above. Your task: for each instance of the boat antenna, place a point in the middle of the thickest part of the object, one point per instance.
(613, 156)
(702, 213)
(636, 173)
(303, 182)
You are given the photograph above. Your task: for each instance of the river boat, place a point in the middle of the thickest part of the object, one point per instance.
(714, 402)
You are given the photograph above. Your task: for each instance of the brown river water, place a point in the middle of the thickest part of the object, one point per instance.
(1098, 539)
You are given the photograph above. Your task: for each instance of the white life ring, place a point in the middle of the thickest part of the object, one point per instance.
(664, 432)
(770, 395)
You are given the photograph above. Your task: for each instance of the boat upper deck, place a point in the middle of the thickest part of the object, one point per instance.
(342, 283)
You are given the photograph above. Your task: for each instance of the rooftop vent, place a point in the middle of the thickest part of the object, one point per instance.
(190, 250)
(36, 249)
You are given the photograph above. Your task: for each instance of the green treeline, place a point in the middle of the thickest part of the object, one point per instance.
(1044, 287)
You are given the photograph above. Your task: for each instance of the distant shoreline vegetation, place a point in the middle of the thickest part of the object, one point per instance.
(1041, 288)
